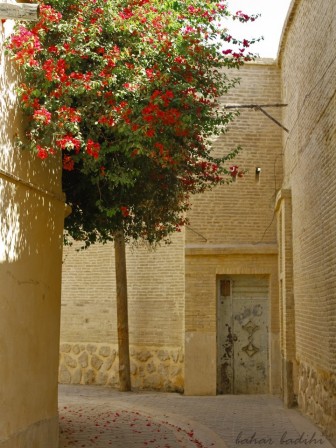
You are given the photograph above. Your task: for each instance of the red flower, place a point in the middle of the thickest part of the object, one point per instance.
(68, 163)
(124, 211)
(48, 13)
(49, 67)
(234, 171)
(93, 148)
(108, 121)
(42, 153)
(149, 73)
(160, 147)
(126, 13)
(98, 11)
(36, 103)
(53, 49)
(150, 133)
(242, 17)
(69, 114)
(68, 142)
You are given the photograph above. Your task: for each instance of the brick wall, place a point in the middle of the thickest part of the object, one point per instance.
(156, 315)
(308, 66)
(233, 228)
(243, 212)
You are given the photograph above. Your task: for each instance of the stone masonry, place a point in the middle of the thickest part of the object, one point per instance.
(151, 368)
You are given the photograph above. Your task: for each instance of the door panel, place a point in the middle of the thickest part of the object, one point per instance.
(225, 347)
(242, 335)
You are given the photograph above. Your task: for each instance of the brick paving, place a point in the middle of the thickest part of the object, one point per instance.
(92, 416)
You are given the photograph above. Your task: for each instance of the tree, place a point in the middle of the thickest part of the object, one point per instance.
(128, 92)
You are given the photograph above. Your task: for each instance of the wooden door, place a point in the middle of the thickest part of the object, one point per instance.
(242, 335)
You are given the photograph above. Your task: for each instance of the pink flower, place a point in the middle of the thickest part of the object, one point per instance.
(42, 115)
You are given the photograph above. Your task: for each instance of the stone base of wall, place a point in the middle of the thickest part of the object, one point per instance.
(151, 368)
(317, 391)
(41, 434)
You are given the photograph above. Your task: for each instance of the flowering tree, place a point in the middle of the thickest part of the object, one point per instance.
(127, 91)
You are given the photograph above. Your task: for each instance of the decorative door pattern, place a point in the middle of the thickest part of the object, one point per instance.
(242, 335)
(250, 349)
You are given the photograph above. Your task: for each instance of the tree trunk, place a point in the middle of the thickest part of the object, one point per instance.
(122, 312)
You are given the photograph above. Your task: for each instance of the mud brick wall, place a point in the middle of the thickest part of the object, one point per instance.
(308, 68)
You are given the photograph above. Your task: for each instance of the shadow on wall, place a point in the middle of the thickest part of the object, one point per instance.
(10, 234)
(31, 226)
(26, 183)
(10, 121)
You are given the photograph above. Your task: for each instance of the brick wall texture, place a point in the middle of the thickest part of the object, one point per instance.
(280, 224)
(156, 315)
(155, 287)
(243, 211)
(238, 214)
(308, 68)
(233, 228)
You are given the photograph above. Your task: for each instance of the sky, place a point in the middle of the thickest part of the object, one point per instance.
(269, 25)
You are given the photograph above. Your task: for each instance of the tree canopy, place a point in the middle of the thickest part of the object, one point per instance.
(128, 92)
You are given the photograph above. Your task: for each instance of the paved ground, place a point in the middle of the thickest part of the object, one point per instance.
(100, 417)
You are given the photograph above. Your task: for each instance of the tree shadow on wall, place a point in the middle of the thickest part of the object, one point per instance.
(31, 226)
(29, 186)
